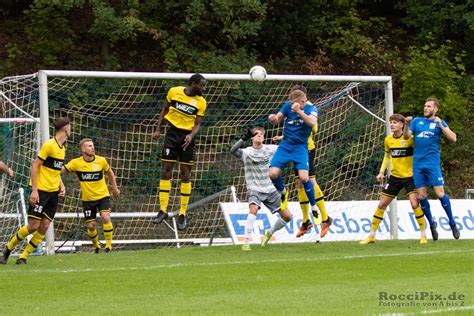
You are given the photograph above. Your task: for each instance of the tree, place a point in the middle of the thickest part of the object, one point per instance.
(430, 71)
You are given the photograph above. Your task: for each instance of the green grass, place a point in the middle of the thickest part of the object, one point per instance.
(326, 278)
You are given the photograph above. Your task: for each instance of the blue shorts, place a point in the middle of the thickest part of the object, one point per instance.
(427, 176)
(298, 154)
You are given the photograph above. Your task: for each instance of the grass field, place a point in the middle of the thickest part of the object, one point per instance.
(341, 278)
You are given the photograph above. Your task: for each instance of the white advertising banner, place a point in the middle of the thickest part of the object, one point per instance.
(352, 221)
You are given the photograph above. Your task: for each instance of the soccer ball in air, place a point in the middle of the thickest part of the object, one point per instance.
(258, 73)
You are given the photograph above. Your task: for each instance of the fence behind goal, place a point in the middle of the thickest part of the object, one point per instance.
(119, 112)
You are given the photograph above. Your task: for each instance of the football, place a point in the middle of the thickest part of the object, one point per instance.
(258, 73)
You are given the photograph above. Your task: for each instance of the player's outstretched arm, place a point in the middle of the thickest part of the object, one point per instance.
(113, 183)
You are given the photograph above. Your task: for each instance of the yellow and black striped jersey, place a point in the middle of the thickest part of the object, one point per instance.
(183, 108)
(401, 151)
(91, 177)
(49, 174)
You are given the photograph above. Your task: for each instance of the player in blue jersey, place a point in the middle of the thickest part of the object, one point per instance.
(300, 119)
(427, 132)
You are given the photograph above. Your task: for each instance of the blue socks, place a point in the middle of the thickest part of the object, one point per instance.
(278, 183)
(309, 189)
(425, 206)
(447, 208)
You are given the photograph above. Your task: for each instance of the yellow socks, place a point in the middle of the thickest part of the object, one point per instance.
(378, 217)
(21, 234)
(165, 187)
(94, 237)
(320, 202)
(304, 203)
(185, 195)
(420, 218)
(108, 233)
(32, 245)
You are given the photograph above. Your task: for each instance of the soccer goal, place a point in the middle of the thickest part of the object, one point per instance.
(119, 111)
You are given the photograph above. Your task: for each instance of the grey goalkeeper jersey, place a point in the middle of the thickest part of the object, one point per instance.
(256, 164)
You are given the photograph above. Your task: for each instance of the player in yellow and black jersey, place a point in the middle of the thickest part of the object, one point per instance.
(46, 187)
(90, 170)
(184, 112)
(398, 153)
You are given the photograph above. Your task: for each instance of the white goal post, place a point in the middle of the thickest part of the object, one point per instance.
(119, 111)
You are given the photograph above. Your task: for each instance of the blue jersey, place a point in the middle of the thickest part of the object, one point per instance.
(296, 131)
(427, 136)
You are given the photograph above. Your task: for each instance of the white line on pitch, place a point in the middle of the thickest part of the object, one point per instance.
(210, 264)
(433, 311)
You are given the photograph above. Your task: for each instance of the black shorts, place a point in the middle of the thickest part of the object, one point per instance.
(46, 207)
(91, 208)
(311, 171)
(173, 147)
(395, 185)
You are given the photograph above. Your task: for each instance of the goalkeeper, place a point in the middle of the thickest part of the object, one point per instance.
(184, 111)
(261, 190)
(95, 196)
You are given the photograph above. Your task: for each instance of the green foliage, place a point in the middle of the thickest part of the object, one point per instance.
(439, 20)
(50, 30)
(113, 27)
(210, 35)
(431, 71)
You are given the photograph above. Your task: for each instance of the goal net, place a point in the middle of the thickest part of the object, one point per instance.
(119, 111)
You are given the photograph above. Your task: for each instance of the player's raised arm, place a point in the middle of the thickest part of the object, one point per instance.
(406, 130)
(235, 150)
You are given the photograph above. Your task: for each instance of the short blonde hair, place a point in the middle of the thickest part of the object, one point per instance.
(83, 141)
(434, 100)
(296, 94)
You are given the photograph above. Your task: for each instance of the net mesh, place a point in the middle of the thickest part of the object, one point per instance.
(120, 116)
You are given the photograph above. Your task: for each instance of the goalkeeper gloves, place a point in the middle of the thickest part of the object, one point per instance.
(250, 133)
